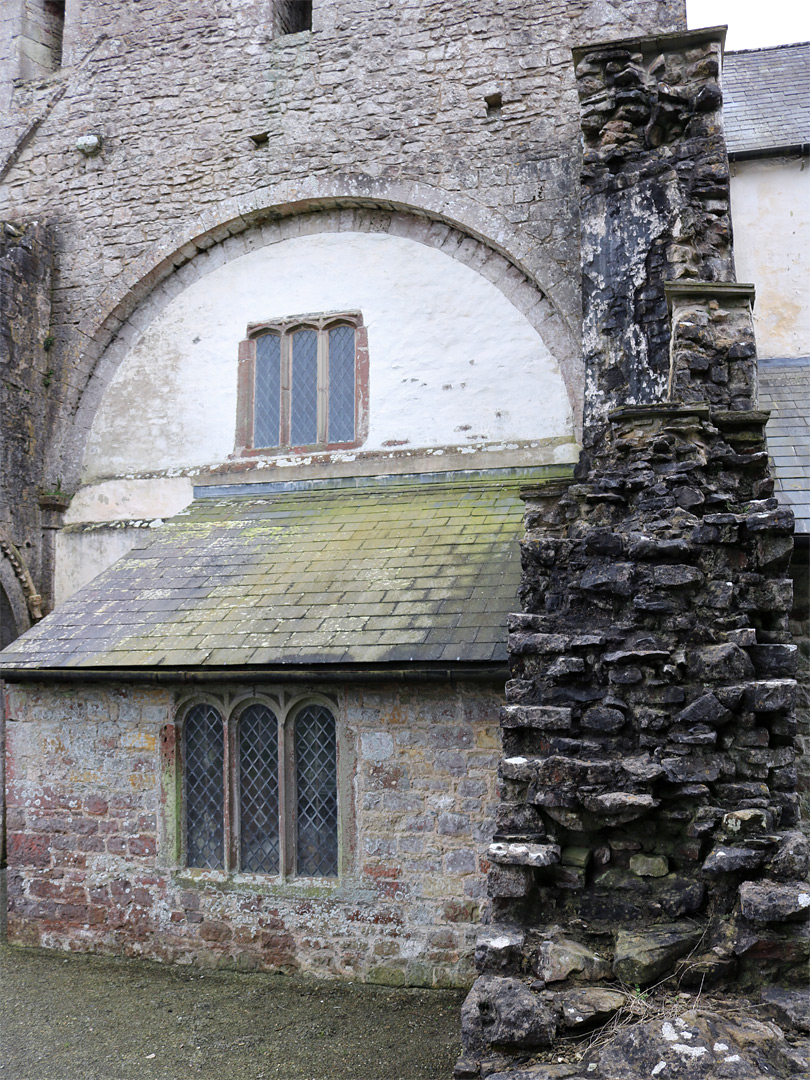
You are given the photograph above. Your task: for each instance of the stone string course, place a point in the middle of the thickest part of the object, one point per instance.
(649, 819)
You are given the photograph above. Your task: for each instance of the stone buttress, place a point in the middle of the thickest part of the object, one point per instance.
(648, 824)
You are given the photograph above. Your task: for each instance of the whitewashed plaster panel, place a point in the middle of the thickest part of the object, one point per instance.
(770, 202)
(452, 361)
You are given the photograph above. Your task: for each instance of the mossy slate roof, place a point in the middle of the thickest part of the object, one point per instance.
(377, 576)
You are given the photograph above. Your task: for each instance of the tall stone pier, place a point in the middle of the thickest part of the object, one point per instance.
(648, 829)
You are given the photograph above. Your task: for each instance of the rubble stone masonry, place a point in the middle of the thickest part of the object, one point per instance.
(649, 819)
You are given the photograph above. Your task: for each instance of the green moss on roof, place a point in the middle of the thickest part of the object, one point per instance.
(391, 574)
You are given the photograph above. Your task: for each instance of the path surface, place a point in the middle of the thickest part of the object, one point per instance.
(102, 1018)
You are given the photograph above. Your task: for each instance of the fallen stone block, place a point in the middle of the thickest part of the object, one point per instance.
(588, 1005)
(498, 951)
(560, 958)
(505, 1013)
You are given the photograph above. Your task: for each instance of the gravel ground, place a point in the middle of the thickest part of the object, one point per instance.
(82, 1017)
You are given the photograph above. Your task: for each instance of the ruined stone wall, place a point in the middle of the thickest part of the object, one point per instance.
(29, 400)
(90, 825)
(648, 829)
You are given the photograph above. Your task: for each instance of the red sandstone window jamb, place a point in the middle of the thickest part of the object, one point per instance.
(246, 382)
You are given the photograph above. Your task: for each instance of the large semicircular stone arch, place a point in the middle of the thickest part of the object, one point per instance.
(147, 298)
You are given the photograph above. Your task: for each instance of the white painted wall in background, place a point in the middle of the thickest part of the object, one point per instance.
(770, 205)
(452, 361)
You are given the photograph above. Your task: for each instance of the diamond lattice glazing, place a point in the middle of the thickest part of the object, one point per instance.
(267, 391)
(341, 384)
(304, 407)
(316, 792)
(204, 756)
(258, 790)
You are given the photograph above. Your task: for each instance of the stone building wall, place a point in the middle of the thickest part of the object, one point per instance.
(91, 826)
(208, 121)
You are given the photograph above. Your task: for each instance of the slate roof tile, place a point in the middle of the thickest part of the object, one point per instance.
(391, 574)
(767, 98)
(782, 381)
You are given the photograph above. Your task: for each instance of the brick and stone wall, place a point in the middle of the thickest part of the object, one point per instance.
(91, 820)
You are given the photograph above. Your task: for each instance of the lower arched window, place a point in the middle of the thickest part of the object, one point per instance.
(259, 840)
(270, 804)
(204, 758)
(316, 792)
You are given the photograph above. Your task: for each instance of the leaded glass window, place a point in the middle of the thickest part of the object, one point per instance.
(260, 788)
(204, 756)
(304, 403)
(258, 791)
(316, 792)
(306, 384)
(341, 384)
(267, 409)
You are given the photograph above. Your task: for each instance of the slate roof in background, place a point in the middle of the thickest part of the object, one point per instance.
(784, 388)
(389, 574)
(766, 96)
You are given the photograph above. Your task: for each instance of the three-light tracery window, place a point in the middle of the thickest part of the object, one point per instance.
(261, 796)
(303, 384)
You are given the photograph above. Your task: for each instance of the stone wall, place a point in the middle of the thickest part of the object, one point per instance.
(29, 399)
(91, 819)
(648, 829)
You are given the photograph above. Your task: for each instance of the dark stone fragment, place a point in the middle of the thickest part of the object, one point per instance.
(697, 735)
(612, 578)
(692, 769)
(646, 548)
(603, 719)
(789, 1008)
(774, 660)
(626, 676)
(688, 497)
(503, 1012)
(725, 860)
(498, 951)
(780, 521)
(734, 794)
(642, 956)
(771, 695)
(603, 542)
(767, 901)
(721, 663)
(679, 895)
(791, 861)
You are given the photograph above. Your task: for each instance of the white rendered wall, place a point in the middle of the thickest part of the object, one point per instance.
(452, 362)
(770, 203)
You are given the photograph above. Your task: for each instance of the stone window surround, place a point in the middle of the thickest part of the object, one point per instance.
(322, 322)
(230, 705)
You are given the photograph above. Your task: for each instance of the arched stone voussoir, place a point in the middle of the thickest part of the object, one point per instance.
(129, 306)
